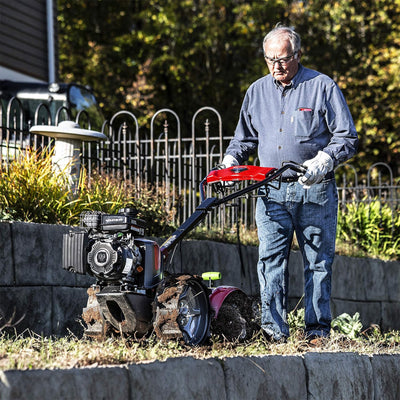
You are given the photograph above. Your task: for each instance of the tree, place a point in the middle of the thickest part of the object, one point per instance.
(92, 47)
(184, 54)
(358, 43)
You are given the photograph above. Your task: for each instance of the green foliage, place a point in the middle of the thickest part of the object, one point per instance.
(357, 43)
(296, 319)
(347, 325)
(374, 334)
(177, 54)
(372, 227)
(32, 191)
(144, 56)
(99, 193)
(151, 205)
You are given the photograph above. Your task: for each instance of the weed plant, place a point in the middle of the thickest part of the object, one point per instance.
(30, 190)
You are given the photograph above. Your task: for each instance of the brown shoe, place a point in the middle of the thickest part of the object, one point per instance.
(316, 341)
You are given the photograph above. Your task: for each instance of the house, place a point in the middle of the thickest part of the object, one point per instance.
(29, 91)
(28, 50)
(28, 70)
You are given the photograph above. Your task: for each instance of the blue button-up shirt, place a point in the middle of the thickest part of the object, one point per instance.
(294, 122)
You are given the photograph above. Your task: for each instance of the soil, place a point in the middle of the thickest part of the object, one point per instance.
(237, 318)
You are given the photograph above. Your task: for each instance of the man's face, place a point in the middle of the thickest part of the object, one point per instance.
(280, 48)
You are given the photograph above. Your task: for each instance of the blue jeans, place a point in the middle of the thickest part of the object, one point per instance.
(312, 214)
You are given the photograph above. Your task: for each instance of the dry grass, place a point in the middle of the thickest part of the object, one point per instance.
(36, 352)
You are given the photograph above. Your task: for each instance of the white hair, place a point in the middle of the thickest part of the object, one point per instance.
(289, 32)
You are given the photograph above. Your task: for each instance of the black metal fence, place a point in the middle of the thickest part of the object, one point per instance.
(162, 154)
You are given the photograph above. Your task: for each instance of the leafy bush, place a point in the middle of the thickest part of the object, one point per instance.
(372, 227)
(32, 191)
(110, 194)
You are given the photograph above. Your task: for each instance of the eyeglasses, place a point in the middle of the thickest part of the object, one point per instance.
(281, 60)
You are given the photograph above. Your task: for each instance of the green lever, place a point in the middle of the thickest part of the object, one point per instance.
(211, 276)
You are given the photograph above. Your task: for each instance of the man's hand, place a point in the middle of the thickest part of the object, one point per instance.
(229, 161)
(317, 168)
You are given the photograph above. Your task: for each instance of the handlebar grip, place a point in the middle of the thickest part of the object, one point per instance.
(296, 166)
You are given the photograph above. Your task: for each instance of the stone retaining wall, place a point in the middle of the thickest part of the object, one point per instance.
(48, 300)
(313, 376)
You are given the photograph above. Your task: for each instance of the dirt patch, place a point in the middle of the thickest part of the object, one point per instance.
(237, 318)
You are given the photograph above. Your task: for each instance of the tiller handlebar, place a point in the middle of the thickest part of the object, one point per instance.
(263, 176)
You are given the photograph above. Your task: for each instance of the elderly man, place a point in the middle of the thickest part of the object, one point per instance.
(294, 114)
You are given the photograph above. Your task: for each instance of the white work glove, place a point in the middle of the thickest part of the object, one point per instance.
(229, 161)
(317, 168)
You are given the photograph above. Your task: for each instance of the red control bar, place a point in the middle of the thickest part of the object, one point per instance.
(239, 173)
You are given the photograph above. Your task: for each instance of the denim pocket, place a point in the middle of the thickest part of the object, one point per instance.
(322, 193)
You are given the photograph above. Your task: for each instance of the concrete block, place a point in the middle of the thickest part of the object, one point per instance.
(266, 378)
(339, 376)
(177, 378)
(390, 316)
(386, 372)
(67, 310)
(391, 279)
(83, 281)
(364, 279)
(31, 305)
(370, 312)
(295, 303)
(84, 383)
(196, 257)
(6, 255)
(37, 254)
(346, 278)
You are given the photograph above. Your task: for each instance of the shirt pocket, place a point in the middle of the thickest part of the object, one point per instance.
(305, 121)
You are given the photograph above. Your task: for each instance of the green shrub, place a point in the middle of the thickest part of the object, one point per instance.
(371, 227)
(32, 191)
(350, 326)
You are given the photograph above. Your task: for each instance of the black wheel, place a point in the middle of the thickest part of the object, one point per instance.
(194, 313)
